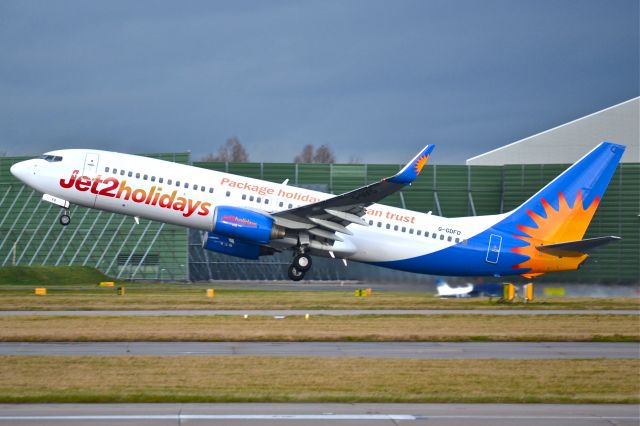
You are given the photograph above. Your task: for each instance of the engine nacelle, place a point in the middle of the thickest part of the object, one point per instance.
(247, 225)
(234, 247)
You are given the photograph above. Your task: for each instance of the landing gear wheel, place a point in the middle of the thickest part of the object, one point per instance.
(295, 274)
(65, 220)
(302, 262)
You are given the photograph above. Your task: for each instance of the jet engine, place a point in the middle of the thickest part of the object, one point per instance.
(248, 225)
(234, 247)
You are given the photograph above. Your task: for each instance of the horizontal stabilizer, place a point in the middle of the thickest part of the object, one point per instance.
(576, 248)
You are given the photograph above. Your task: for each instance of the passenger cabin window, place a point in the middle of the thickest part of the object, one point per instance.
(145, 177)
(251, 198)
(153, 178)
(186, 185)
(160, 180)
(457, 240)
(195, 187)
(290, 205)
(388, 226)
(395, 228)
(177, 183)
(210, 190)
(379, 224)
(449, 239)
(370, 222)
(169, 181)
(411, 231)
(404, 229)
(442, 237)
(433, 235)
(266, 201)
(228, 193)
(130, 174)
(202, 188)
(106, 170)
(419, 232)
(259, 199)
(114, 171)
(244, 196)
(281, 204)
(121, 172)
(137, 175)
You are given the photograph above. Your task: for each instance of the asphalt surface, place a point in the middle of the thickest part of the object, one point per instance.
(329, 312)
(317, 414)
(418, 350)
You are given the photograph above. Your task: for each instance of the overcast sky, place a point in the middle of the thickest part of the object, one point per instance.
(375, 80)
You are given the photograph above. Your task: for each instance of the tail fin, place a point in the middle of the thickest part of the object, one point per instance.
(562, 210)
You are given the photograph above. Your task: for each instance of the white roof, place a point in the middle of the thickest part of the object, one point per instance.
(568, 142)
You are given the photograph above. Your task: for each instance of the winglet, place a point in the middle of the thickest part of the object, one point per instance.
(410, 172)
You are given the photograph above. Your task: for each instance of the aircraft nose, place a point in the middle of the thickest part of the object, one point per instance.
(20, 170)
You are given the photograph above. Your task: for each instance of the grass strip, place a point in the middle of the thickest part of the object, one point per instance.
(50, 275)
(374, 328)
(141, 296)
(272, 379)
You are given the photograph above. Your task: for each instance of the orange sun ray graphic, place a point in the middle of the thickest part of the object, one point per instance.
(422, 161)
(567, 223)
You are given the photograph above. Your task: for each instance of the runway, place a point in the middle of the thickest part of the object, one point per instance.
(317, 414)
(416, 350)
(329, 312)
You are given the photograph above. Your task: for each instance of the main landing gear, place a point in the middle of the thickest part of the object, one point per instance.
(299, 266)
(65, 219)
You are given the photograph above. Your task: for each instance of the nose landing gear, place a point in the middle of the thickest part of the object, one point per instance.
(65, 219)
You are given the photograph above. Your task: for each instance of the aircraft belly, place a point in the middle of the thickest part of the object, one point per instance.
(462, 259)
(173, 217)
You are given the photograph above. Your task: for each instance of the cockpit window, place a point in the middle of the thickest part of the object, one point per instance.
(51, 158)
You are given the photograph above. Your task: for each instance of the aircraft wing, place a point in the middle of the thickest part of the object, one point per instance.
(325, 218)
(576, 248)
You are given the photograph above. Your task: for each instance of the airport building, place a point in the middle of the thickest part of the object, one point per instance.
(488, 184)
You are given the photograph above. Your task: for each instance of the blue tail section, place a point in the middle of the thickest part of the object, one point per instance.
(586, 180)
(558, 213)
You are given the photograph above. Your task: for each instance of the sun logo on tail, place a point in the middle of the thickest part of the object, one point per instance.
(567, 223)
(420, 163)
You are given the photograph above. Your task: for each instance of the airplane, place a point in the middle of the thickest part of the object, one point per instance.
(468, 290)
(446, 291)
(249, 218)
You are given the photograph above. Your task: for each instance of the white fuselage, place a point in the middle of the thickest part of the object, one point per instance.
(187, 196)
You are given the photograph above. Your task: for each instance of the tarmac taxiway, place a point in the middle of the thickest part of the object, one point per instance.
(302, 414)
(328, 312)
(416, 350)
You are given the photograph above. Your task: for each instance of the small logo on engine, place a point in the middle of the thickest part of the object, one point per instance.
(238, 221)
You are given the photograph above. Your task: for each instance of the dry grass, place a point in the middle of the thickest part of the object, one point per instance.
(182, 296)
(324, 328)
(270, 379)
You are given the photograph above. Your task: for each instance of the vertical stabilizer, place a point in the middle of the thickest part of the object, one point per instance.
(562, 210)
